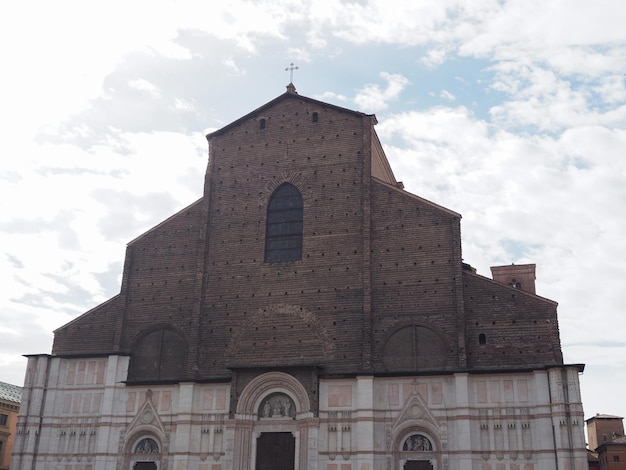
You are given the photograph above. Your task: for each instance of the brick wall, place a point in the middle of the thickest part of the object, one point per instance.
(519, 329)
(307, 311)
(415, 267)
(375, 260)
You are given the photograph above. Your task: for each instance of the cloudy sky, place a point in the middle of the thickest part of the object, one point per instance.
(512, 113)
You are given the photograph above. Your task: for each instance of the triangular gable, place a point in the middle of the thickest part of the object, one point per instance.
(289, 94)
(415, 410)
(147, 418)
(415, 416)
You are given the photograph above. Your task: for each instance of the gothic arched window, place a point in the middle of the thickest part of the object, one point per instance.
(283, 234)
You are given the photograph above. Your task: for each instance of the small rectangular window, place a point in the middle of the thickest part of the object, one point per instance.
(4, 419)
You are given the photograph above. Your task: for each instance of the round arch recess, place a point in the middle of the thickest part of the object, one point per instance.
(144, 447)
(409, 428)
(268, 383)
(414, 346)
(417, 427)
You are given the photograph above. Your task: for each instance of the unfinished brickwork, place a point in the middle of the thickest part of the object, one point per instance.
(376, 259)
(375, 338)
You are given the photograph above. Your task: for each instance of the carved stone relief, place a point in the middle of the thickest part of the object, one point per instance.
(277, 406)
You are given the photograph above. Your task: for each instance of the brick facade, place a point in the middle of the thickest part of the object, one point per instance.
(380, 305)
(375, 259)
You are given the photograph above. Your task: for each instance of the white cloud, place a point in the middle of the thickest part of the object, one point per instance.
(540, 97)
(446, 95)
(611, 89)
(145, 86)
(373, 98)
(434, 57)
(330, 97)
(184, 105)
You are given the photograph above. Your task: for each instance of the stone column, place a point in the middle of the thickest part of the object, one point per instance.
(363, 441)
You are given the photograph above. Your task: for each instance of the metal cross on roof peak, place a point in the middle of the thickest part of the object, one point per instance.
(291, 68)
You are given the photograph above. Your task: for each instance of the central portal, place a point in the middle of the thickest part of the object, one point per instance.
(145, 466)
(418, 465)
(275, 451)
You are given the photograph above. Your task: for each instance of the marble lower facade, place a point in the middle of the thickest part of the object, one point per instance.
(92, 420)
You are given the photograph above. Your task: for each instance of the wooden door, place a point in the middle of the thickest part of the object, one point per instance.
(275, 451)
(418, 465)
(145, 466)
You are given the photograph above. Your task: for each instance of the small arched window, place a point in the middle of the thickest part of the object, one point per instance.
(283, 234)
(316, 117)
(262, 123)
(482, 339)
(515, 284)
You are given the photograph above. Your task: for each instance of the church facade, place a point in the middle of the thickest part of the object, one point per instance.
(306, 313)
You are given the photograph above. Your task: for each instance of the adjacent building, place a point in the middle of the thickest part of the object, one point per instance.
(10, 398)
(607, 441)
(306, 313)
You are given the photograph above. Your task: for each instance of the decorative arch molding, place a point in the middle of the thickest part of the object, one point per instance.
(270, 325)
(417, 442)
(145, 444)
(395, 326)
(423, 428)
(154, 328)
(132, 452)
(137, 450)
(292, 177)
(266, 384)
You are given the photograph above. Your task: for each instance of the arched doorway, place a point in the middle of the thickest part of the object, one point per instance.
(272, 424)
(417, 450)
(146, 454)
